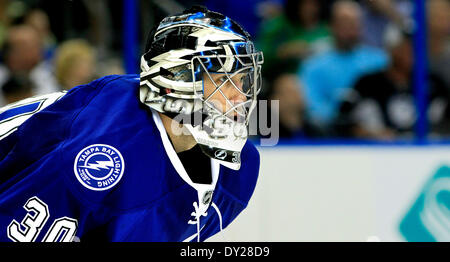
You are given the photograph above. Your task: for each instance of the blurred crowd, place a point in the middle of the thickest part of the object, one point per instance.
(48, 45)
(340, 68)
(346, 68)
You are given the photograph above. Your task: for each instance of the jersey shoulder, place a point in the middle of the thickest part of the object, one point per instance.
(57, 104)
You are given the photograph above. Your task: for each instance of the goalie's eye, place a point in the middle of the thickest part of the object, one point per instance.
(221, 79)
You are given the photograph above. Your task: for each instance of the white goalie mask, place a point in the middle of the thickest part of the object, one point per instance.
(201, 69)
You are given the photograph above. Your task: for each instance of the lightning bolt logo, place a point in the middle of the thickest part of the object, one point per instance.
(99, 165)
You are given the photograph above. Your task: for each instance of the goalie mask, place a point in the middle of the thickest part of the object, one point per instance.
(201, 69)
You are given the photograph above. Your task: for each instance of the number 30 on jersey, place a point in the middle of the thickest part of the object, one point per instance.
(62, 230)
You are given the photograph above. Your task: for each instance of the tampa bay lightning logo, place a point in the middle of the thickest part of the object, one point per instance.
(220, 154)
(99, 167)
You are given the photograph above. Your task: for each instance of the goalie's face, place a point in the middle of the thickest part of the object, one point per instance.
(225, 93)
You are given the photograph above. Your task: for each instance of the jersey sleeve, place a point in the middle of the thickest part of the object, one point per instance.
(31, 173)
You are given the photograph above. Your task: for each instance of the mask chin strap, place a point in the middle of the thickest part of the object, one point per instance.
(228, 158)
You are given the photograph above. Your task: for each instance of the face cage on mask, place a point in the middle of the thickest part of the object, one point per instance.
(256, 60)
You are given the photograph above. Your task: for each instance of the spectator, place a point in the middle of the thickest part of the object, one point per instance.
(74, 64)
(17, 88)
(37, 19)
(290, 111)
(268, 9)
(439, 38)
(379, 15)
(285, 87)
(23, 55)
(246, 12)
(328, 76)
(381, 105)
(293, 35)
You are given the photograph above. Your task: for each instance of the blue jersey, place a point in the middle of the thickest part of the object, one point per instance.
(96, 164)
